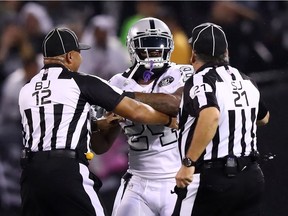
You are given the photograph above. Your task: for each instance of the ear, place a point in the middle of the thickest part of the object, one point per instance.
(69, 57)
(193, 58)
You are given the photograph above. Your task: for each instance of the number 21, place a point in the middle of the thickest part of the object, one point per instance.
(238, 96)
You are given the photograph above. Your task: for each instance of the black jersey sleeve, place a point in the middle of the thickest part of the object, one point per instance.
(98, 91)
(262, 112)
(262, 109)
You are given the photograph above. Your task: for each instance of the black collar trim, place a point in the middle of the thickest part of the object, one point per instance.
(209, 64)
(53, 65)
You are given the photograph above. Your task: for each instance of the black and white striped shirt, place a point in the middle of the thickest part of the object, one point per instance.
(237, 98)
(55, 105)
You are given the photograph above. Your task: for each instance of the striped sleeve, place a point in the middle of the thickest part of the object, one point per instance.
(202, 93)
(99, 92)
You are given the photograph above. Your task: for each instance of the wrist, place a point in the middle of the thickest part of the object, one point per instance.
(129, 94)
(188, 162)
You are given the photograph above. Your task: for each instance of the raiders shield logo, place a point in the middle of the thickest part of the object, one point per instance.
(166, 81)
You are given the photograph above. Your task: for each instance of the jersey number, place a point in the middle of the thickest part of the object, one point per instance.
(240, 99)
(240, 95)
(42, 93)
(186, 72)
(140, 141)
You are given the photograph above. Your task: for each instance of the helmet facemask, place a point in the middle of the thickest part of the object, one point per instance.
(143, 47)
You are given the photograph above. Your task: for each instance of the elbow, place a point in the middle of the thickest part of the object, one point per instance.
(264, 121)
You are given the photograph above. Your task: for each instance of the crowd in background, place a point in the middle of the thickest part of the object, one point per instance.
(258, 41)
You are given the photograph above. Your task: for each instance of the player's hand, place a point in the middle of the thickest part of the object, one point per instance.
(184, 176)
(174, 123)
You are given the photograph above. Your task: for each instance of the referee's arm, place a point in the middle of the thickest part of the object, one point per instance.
(264, 121)
(263, 115)
(205, 130)
(103, 137)
(139, 112)
(104, 132)
(163, 102)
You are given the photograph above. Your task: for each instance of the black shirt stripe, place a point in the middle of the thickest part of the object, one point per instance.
(243, 143)
(28, 115)
(215, 141)
(83, 136)
(58, 111)
(42, 127)
(45, 75)
(253, 135)
(73, 123)
(231, 114)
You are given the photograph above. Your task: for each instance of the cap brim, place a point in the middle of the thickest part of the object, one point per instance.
(84, 46)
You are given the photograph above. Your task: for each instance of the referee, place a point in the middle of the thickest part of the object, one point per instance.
(54, 107)
(219, 114)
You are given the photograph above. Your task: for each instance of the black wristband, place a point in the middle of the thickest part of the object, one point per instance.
(169, 122)
(129, 94)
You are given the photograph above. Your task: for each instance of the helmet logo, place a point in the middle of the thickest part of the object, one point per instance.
(148, 73)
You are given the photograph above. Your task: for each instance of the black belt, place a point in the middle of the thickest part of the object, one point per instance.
(221, 163)
(28, 156)
(59, 153)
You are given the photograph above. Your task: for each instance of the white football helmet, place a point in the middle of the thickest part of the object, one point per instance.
(146, 35)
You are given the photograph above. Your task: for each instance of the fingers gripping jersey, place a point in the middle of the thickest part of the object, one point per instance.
(153, 151)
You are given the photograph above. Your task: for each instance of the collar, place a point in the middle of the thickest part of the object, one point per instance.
(210, 64)
(53, 65)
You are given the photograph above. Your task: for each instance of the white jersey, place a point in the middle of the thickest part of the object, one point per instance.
(153, 151)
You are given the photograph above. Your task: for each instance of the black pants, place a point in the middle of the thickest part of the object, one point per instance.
(58, 186)
(219, 195)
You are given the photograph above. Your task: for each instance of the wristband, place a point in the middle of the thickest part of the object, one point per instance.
(129, 94)
(169, 122)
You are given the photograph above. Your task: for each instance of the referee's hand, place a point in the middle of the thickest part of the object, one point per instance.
(109, 120)
(184, 176)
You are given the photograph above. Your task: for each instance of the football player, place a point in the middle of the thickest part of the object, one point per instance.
(153, 151)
